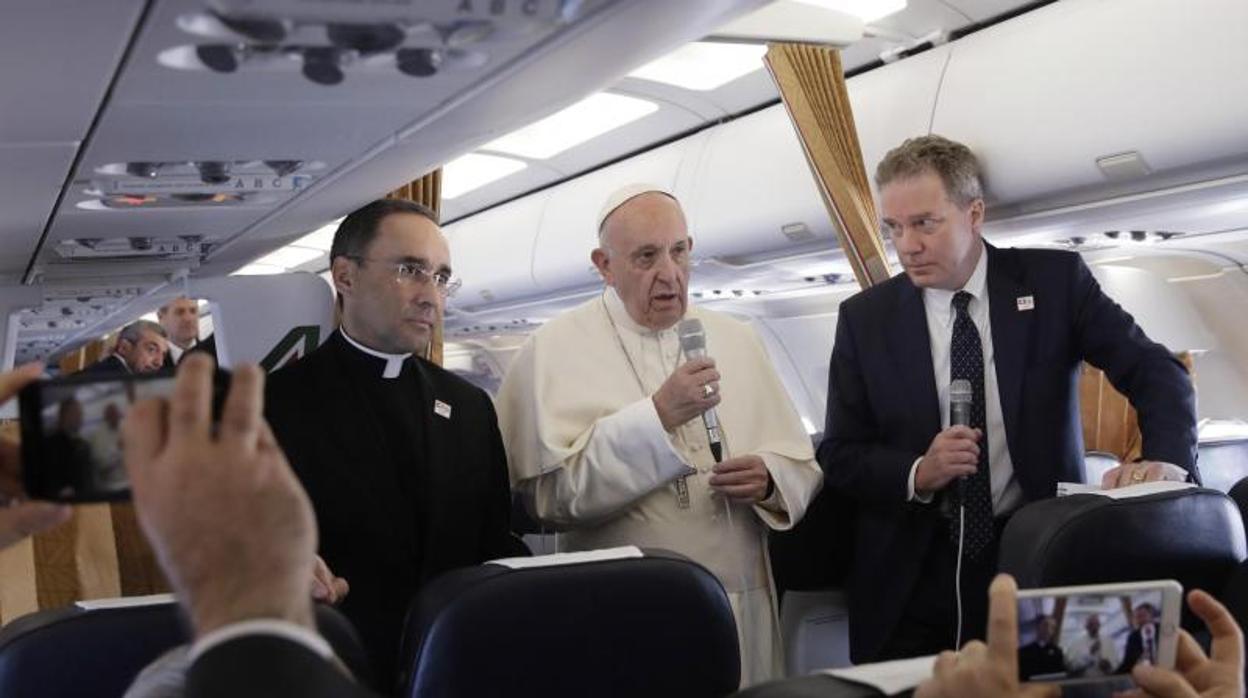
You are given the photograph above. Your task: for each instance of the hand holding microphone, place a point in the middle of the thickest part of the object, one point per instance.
(684, 395)
(954, 453)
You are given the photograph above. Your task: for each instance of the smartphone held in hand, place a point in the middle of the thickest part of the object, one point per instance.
(71, 433)
(1096, 632)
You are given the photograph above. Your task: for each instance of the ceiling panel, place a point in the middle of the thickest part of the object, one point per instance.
(279, 82)
(582, 61)
(751, 91)
(331, 133)
(644, 132)
(30, 179)
(56, 60)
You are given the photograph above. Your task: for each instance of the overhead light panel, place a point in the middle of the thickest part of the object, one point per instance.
(258, 270)
(703, 65)
(474, 170)
(320, 239)
(588, 118)
(290, 257)
(866, 10)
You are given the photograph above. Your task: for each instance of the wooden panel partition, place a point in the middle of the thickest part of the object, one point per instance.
(812, 87)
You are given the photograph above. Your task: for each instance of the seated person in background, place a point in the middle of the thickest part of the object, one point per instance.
(402, 460)
(1042, 656)
(140, 348)
(180, 318)
(1091, 654)
(235, 535)
(991, 670)
(1142, 641)
(19, 518)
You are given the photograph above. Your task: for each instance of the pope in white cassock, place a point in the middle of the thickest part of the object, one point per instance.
(601, 416)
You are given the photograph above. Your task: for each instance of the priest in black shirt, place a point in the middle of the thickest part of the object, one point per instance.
(1042, 658)
(402, 460)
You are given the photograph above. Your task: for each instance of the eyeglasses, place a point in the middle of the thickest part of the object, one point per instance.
(415, 273)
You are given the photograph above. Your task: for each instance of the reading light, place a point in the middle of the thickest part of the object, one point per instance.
(213, 171)
(418, 62)
(219, 58)
(587, 119)
(467, 32)
(365, 38)
(281, 168)
(145, 170)
(320, 65)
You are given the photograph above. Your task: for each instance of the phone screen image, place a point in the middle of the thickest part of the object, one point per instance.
(1086, 635)
(76, 454)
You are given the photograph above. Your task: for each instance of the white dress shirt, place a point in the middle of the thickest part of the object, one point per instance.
(938, 305)
(272, 627)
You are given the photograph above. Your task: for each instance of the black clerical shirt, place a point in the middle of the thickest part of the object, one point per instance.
(407, 476)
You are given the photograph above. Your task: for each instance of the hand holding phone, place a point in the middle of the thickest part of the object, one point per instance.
(71, 432)
(19, 519)
(987, 670)
(1096, 632)
(1220, 675)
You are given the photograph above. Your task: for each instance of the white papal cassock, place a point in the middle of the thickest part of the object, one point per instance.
(588, 452)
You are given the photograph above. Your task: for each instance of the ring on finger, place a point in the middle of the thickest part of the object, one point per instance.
(708, 390)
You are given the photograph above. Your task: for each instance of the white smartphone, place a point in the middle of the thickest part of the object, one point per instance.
(1096, 632)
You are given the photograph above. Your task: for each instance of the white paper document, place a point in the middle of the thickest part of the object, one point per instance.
(888, 677)
(125, 602)
(521, 563)
(1140, 490)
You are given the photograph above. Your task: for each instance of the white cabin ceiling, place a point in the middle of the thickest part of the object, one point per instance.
(89, 86)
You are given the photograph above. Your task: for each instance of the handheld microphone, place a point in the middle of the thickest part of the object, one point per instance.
(960, 401)
(693, 343)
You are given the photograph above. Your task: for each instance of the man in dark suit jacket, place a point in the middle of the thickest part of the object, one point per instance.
(1142, 640)
(1015, 324)
(402, 460)
(141, 348)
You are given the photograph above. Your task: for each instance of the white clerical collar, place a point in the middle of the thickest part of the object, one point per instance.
(621, 318)
(394, 362)
(942, 299)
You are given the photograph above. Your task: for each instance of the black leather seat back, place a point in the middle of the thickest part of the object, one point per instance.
(1194, 536)
(74, 653)
(67, 652)
(658, 625)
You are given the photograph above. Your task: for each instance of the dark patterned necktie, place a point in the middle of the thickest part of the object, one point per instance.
(966, 361)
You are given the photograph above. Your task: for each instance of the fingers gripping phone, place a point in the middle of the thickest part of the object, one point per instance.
(1096, 632)
(71, 432)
